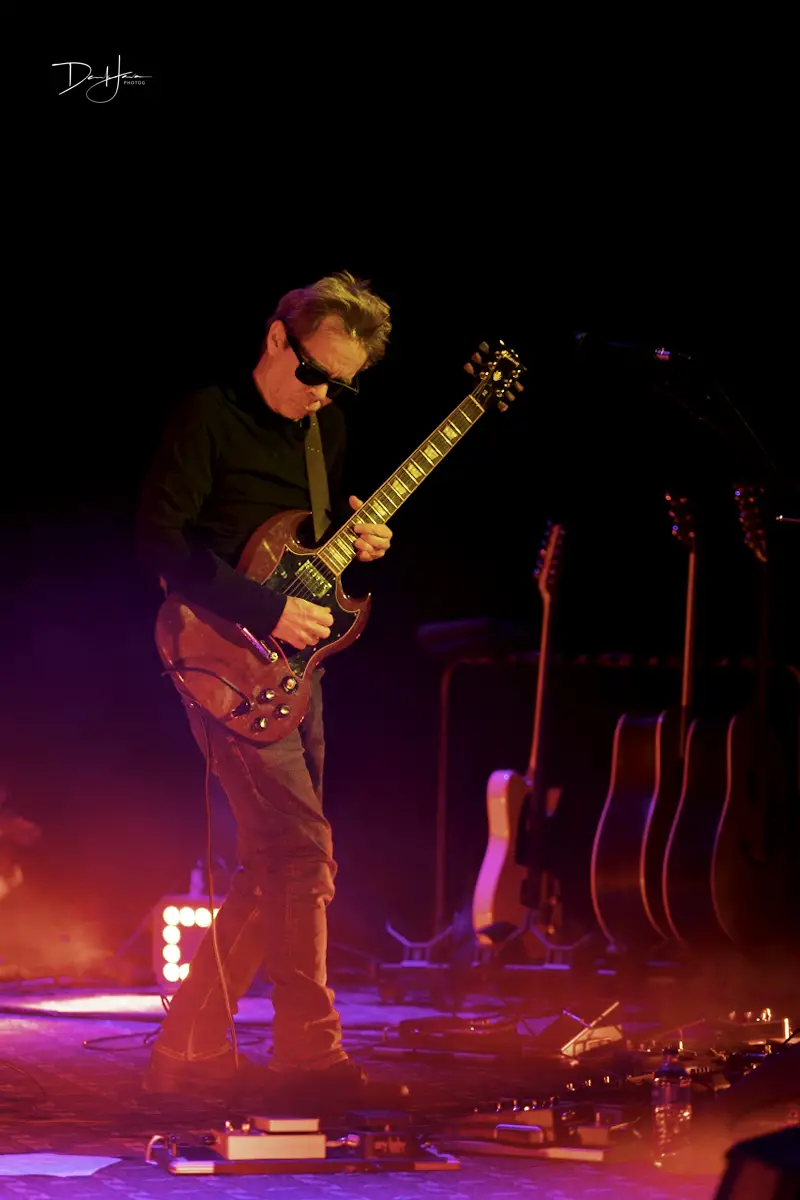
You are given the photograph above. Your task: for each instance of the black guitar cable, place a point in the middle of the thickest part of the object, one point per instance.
(212, 905)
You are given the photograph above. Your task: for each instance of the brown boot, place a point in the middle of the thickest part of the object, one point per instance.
(205, 1078)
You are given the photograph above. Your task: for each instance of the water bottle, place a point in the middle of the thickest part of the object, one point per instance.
(672, 1107)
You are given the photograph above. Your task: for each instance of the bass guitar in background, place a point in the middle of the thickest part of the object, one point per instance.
(643, 792)
(724, 874)
(515, 803)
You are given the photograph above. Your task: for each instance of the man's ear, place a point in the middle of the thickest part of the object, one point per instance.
(276, 338)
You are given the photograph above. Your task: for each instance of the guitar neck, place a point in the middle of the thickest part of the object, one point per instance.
(752, 520)
(541, 681)
(338, 551)
(763, 644)
(687, 677)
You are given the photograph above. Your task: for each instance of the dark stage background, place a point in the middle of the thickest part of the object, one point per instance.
(144, 290)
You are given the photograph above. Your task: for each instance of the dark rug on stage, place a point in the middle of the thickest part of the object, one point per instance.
(70, 1071)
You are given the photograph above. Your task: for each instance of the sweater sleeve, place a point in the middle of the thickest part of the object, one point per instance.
(180, 478)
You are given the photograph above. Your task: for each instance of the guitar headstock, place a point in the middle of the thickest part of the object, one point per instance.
(497, 371)
(748, 499)
(682, 515)
(548, 564)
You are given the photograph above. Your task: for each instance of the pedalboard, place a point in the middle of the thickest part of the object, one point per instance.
(372, 1141)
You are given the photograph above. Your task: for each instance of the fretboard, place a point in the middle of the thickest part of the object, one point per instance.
(338, 552)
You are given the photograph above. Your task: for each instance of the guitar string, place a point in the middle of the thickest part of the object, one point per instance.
(297, 587)
(301, 590)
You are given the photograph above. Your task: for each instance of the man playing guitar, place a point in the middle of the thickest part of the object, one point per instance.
(232, 457)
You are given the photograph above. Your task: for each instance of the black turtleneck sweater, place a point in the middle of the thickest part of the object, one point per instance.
(225, 464)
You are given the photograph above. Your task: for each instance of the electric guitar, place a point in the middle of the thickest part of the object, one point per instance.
(259, 688)
(497, 899)
(636, 820)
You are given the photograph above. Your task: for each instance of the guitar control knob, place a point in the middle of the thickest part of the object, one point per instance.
(260, 723)
(289, 684)
(273, 656)
(265, 695)
(282, 710)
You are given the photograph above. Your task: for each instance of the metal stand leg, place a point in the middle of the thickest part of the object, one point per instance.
(440, 878)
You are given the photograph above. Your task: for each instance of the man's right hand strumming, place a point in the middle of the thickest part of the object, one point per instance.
(303, 623)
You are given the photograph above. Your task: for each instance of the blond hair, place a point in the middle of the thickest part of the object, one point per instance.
(363, 314)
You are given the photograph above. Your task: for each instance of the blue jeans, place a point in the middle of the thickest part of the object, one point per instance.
(275, 913)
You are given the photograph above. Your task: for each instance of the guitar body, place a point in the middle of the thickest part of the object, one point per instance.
(258, 689)
(496, 897)
(633, 828)
(686, 876)
(749, 861)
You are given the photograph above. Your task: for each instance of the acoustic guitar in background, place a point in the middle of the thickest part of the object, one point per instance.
(635, 823)
(723, 872)
(516, 805)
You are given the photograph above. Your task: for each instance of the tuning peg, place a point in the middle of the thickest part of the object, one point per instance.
(520, 387)
(501, 404)
(476, 358)
(509, 396)
(483, 347)
(468, 367)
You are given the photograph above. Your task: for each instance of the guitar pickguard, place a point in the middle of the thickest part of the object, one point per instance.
(296, 574)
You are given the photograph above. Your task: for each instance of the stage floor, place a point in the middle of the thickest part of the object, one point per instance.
(74, 1122)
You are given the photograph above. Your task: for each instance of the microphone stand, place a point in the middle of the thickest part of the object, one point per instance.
(688, 381)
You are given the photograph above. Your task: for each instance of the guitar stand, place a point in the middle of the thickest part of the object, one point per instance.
(556, 954)
(421, 971)
(416, 972)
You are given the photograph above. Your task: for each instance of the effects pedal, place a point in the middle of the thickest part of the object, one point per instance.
(574, 1129)
(270, 1138)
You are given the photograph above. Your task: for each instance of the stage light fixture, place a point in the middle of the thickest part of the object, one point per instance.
(179, 925)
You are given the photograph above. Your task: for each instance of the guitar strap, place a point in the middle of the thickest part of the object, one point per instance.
(317, 479)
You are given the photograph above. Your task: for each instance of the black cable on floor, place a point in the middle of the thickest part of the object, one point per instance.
(103, 1043)
(143, 1040)
(42, 1099)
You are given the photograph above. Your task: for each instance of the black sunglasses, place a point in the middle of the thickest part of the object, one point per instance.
(309, 373)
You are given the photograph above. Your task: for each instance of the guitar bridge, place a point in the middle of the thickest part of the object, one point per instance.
(313, 579)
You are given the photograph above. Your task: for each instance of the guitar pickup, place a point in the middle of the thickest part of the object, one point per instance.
(313, 579)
